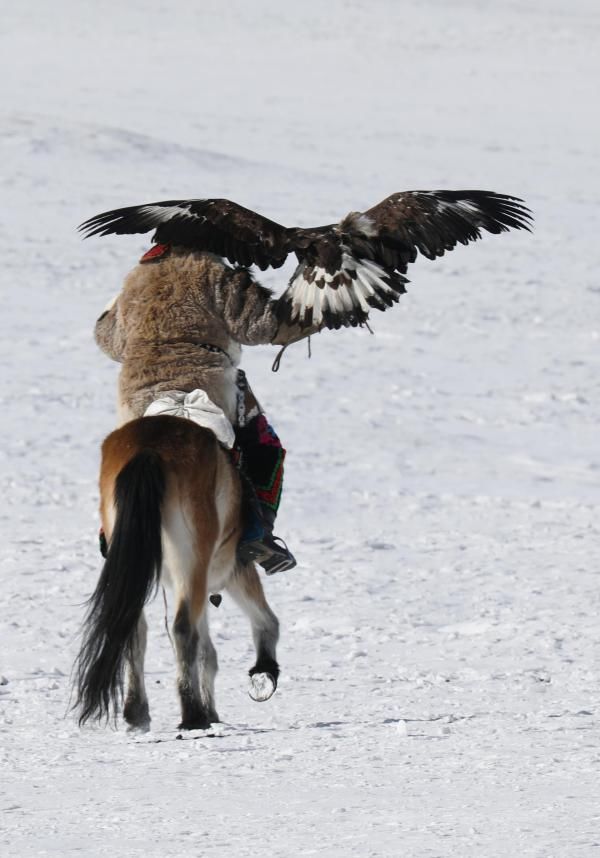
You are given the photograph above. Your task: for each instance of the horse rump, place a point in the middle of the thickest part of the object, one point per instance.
(167, 490)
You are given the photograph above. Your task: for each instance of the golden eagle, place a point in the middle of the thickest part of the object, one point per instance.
(344, 269)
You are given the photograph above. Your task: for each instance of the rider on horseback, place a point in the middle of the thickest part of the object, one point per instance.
(183, 313)
(177, 326)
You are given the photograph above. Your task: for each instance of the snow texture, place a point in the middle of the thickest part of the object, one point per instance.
(439, 693)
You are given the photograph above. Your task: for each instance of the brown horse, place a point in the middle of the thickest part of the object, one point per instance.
(171, 512)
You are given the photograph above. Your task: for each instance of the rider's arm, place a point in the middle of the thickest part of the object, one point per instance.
(109, 333)
(250, 315)
(288, 334)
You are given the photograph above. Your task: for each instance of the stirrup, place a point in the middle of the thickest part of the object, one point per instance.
(271, 553)
(281, 558)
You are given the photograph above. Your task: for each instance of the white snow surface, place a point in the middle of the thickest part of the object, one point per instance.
(440, 636)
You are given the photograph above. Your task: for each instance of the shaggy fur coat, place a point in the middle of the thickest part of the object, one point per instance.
(166, 310)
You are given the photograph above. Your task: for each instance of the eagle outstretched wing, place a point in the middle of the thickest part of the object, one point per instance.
(219, 226)
(345, 269)
(358, 264)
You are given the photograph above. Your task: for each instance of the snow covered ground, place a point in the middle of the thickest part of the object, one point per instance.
(440, 685)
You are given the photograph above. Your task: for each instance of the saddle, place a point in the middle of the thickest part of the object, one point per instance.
(198, 407)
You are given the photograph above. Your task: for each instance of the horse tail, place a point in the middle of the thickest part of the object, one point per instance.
(129, 577)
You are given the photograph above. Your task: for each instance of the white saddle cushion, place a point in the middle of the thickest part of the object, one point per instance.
(195, 406)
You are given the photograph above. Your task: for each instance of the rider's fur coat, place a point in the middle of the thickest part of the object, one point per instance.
(166, 310)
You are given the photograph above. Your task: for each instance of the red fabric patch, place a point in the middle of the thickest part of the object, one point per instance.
(156, 252)
(266, 433)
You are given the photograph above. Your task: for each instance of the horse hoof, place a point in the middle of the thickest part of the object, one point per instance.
(262, 687)
(196, 724)
(137, 715)
(142, 727)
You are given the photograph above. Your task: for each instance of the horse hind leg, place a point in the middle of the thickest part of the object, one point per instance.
(136, 711)
(193, 716)
(246, 590)
(196, 667)
(207, 667)
(188, 545)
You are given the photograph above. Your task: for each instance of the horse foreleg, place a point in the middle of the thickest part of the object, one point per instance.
(246, 590)
(136, 711)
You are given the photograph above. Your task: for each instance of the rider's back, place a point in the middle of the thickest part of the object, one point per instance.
(178, 325)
